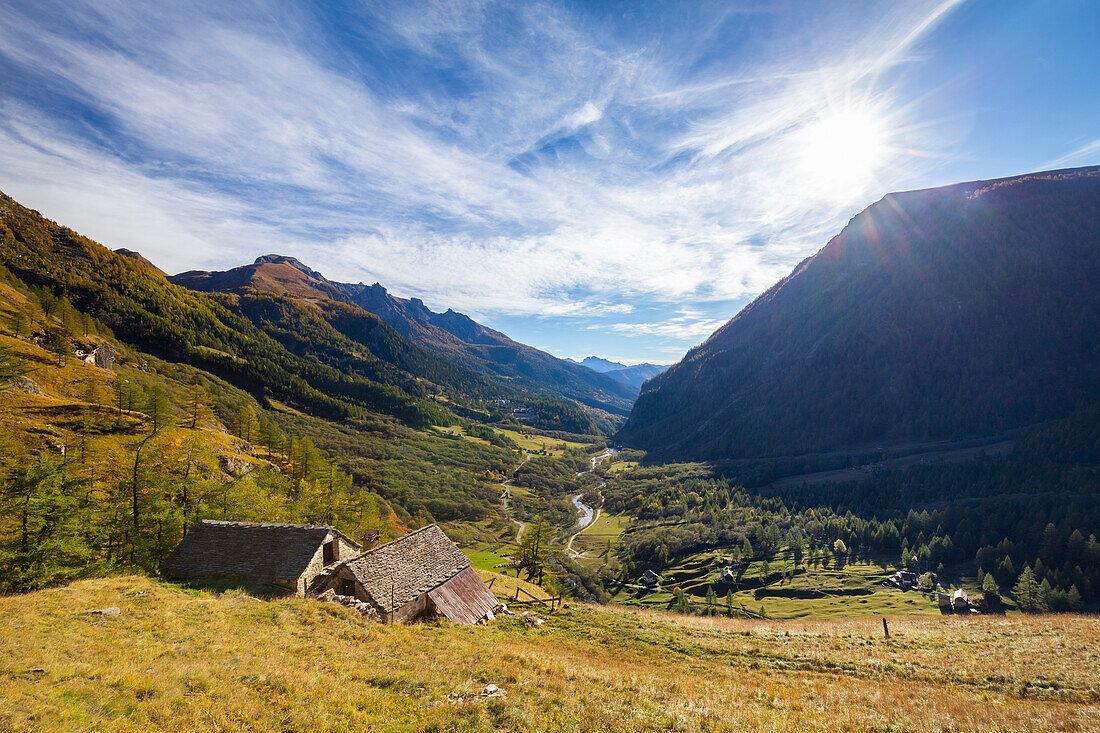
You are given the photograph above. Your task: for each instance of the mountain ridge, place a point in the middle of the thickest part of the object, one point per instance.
(634, 374)
(450, 333)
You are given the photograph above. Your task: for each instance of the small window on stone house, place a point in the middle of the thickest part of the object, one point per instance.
(347, 588)
(329, 552)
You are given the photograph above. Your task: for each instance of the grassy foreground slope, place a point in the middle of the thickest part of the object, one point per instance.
(188, 660)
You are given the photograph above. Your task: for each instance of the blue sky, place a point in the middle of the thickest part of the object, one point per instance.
(591, 178)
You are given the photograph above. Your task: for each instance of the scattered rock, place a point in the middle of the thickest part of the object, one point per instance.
(27, 385)
(366, 609)
(492, 691)
(531, 620)
(111, 612)
(104, 356)
(234, 466)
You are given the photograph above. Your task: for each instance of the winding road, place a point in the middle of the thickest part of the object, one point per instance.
(507, 494)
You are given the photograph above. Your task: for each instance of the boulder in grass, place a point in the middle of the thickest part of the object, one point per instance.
(112, 612)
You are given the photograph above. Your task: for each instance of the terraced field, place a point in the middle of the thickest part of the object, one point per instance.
(813, 591)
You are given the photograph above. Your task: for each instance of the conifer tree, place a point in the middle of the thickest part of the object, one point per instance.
(61, 348)
(1073, 598)
(12, 366)
(198, 405)
(1027, 591)
(156, 407)
(989, 586)
(248, 425)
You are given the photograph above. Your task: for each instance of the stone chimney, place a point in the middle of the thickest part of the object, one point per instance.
(371, 539)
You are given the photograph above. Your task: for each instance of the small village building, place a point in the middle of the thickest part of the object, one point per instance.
(286, 557)
(903, 579)
(959, 600)
(650, 578)
(411, 576)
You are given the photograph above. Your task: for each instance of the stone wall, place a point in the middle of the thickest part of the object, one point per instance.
(410, 611)
(344, 551)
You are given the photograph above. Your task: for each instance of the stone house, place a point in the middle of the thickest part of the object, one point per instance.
(411, 576)
(284, 556)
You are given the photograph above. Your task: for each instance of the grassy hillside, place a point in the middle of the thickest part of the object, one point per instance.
(189, 660)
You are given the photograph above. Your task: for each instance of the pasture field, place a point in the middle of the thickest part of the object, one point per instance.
(532, 441)
(594, 538)
(179, 659)
(814, 591)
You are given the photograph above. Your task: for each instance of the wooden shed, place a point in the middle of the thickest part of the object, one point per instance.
(412, 575)
(284, 556)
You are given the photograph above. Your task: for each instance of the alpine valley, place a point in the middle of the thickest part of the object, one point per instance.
(908, 425)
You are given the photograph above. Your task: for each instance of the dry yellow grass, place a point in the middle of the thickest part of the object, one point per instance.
(184, 660)
(504, 586)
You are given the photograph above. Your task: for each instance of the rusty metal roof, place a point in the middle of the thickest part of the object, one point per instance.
(464, 598)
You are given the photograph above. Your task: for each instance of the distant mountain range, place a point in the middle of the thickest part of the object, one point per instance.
(451, 334)
(934, 315)
(634, 375)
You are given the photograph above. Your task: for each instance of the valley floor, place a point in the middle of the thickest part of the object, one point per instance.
(183, 659)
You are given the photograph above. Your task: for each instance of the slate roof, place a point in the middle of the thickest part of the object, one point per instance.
(246, 550)
(399, 571)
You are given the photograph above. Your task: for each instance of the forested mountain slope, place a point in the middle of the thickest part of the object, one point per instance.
(236, 338)
(451, 334)
(937, 314)
(329, 358)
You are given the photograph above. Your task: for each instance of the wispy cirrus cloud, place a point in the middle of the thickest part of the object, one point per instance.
(1084, 155)
(683, 325)
(507, 160)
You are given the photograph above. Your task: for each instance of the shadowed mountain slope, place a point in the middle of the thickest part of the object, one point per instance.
(936, 314)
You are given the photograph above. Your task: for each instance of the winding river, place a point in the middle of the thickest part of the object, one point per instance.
(587, 517)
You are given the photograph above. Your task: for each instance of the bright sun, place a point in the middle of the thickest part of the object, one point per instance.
(843, 150)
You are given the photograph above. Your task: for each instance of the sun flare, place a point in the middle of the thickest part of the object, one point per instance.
(843, 150)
